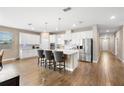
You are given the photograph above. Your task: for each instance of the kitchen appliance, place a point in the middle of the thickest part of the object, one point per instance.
(52, 46)
(86, 50)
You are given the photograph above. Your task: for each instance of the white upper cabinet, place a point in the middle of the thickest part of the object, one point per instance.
(68, 35)
(60, 39)
(87, 34)
(52, 38)
(77, 37)
(57, 38)
(29, 38)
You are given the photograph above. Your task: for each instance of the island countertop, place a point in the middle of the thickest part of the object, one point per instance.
(68, 52)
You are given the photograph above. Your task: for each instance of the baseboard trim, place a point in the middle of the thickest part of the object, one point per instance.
(28, 57)
(96, 61)
(69, 69)
(120, 59)
(9, 59)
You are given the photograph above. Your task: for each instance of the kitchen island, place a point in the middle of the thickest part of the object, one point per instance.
(71, 60)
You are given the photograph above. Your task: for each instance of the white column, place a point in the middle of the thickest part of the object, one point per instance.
(96, 44)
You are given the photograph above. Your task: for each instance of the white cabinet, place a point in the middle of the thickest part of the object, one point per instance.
(67, 35)
(26, 38)
(57, 38)
(27, 53)
(26, 43)
(60, 39)
(52, 38)
(78, 36)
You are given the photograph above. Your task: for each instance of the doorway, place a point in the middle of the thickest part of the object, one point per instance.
(104, 44)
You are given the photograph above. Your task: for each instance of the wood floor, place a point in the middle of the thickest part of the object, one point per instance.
(108, 71)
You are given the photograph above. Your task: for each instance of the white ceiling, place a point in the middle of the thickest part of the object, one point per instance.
(21, 17)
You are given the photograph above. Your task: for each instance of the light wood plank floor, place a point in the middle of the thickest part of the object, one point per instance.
(108, 71)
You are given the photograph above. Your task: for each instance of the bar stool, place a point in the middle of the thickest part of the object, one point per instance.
(49, 59)
(1, 57)
(41, 57)
(59, 59)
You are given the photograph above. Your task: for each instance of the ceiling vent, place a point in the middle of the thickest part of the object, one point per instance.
(67, 9)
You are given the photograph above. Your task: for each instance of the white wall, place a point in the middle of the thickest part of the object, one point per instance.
(112, 43)
(119, 36)
(105, 44)
(111, 40)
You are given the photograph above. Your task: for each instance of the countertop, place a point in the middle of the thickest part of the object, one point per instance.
(69, 52)
(7, 73)
(65, 51)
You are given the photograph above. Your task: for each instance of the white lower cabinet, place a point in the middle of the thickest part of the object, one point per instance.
(27, 53)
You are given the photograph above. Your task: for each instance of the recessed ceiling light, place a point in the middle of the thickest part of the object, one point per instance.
(107, 31)
(56, 29)
(74, 25)
(32, 28)
(112, 17)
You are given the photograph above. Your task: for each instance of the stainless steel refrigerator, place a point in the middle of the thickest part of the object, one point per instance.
(86, 51)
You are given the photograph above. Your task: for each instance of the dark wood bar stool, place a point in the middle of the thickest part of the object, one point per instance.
(59, 59)
(41, 57)
(49, 59)
(1, 57)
